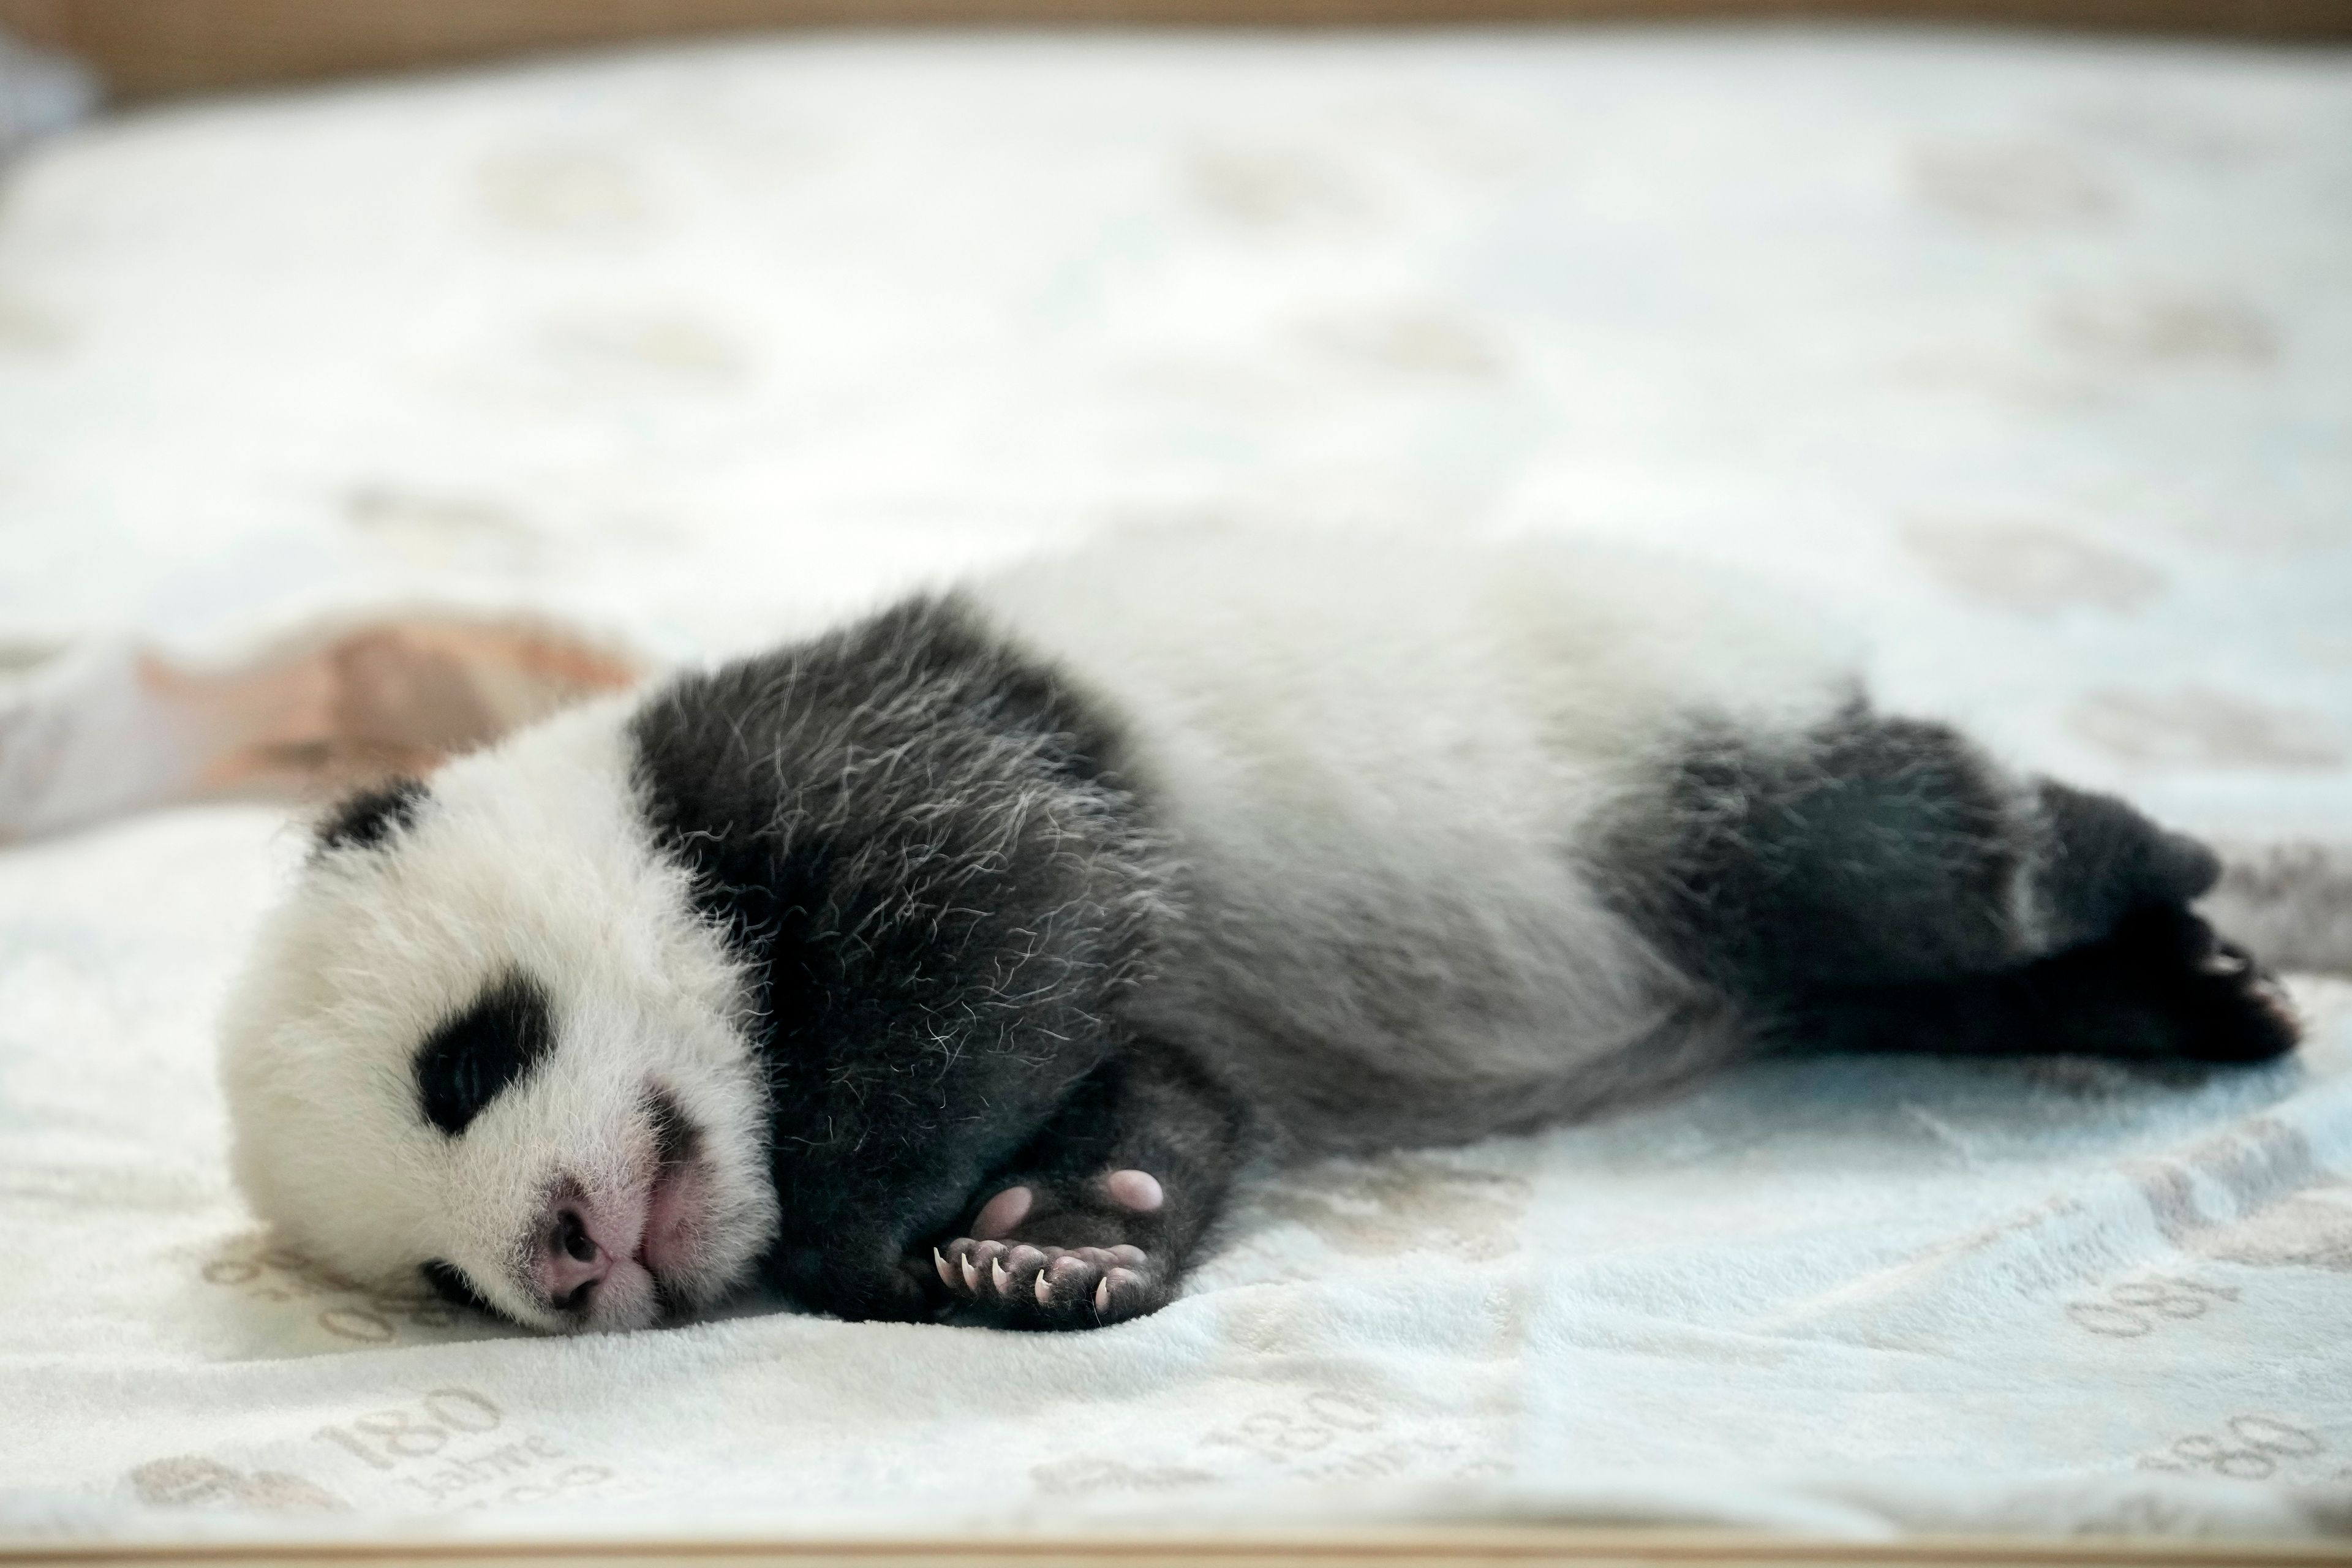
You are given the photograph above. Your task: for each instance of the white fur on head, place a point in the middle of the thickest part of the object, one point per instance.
(529, 858)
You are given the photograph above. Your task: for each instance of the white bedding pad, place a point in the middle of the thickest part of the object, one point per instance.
(2034, 360)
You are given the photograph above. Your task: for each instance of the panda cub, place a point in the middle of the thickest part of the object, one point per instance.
(953, 964)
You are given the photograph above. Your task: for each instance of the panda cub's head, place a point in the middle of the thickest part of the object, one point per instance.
(487, 1044)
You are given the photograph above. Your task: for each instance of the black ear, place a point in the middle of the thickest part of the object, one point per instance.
(366, 819)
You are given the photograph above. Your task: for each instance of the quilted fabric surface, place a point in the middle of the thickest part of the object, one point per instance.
(2030, 359)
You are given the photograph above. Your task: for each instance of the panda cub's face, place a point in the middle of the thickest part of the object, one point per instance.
(488, 1045)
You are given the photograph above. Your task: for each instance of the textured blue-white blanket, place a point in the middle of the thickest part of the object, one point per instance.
(2033, 360)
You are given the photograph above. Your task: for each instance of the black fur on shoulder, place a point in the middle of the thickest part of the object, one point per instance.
(363, 820)
(918, 839)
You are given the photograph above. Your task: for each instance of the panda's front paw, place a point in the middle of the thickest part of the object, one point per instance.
(1035, 1259)
(1025, 1287)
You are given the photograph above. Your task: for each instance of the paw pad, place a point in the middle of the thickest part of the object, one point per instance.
(1136, 1190)
(997, 1217)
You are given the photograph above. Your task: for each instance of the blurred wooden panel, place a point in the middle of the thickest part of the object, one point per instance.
(148, 48)
(1467, 1547)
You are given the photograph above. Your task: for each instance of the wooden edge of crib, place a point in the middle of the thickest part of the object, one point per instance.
(157, 49)
(1460, 1547)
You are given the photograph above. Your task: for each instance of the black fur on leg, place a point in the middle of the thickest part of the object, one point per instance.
(1866, 850)
(2102, 860)
(2161, 986)
(1872, 851)
(1079, 1258)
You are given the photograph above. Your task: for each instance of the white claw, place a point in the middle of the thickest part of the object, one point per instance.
(970, 1276)
(996, 1274)
(1044, 1291)
(939, 1262)
(1102, 1294)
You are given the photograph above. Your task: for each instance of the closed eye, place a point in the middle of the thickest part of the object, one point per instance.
(475, 1057)
(449, 1282)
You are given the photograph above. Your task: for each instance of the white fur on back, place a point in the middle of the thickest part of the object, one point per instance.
(1388, 677)
(1375, 761)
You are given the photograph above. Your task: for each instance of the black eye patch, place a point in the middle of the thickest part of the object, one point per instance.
(475, 1057)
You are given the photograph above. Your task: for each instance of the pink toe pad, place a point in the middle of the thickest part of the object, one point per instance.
(1137, 1190)
(1008, 1208)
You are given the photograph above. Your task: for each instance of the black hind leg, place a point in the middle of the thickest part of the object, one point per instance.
(2161, 985)
(1884, 880)
(1872, 851)
(2098, 862)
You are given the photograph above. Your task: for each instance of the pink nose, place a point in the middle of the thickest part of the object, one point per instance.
(571, 1262)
